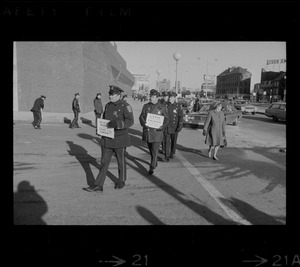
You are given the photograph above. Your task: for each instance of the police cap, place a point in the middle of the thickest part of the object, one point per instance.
(115, 90)
(154, 92)
(171, 93)
(43, 96)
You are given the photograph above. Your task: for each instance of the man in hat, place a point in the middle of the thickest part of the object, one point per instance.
(37, 108)
(164, 102)
(153, 136)
(76, 110)
(120, 116)
(175, 125)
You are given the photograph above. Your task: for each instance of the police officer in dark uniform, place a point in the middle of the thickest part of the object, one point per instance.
(164, 102)
(153, 136)
(175, 125)
(37, 108)
(76, 110)
(120, 116)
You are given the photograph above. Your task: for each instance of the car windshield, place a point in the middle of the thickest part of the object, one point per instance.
(225, 107)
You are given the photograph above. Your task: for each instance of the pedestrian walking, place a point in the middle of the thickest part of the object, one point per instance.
(174, 126)
(153, 136)
(76, 110)
(120, 116)
(37, 108)
(214, 130)
(98, 107)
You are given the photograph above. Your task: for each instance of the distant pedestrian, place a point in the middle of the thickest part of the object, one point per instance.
(153, 136)
(124, 98)
(214, 130)
(164, 102)
(76, 110)
(98, 107)
(174, 126)
(120, 116)
(37, 108)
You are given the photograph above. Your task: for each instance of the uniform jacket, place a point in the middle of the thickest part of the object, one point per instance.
(98, 105)
(215, 127)
(75, 105)
(175, 118)
(151, 135)
(38, 104)
(121, 112)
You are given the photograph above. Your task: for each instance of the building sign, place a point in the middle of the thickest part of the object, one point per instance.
(209, 77)
(276, 61)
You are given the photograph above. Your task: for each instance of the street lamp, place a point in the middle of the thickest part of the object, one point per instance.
(176, 56)
(265, 95)
(254, 96)
(158, 72)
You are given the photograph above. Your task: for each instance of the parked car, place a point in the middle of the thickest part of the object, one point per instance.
(276, 111)
(186, 104)
(245, 107)
(232, 115)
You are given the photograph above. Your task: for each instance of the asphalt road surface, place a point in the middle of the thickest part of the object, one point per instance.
(246, 186)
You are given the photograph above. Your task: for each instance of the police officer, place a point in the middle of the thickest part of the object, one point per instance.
(175, 125)
(120, 116)
(37, 108)
(76, 110)
(164, 102)
(153, 136)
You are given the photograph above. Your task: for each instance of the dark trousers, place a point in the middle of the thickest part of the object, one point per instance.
(98, 116)
(153, 148)
(75, 120)
(37, 118)
(105, 161)
(170, 143)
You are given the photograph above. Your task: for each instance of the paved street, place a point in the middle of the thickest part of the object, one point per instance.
(246, 186)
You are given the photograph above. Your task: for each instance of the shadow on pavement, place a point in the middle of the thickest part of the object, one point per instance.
(148, 215)
(85, 159)
(29, 206)
(201, 210)
(251, 214)
(87, 121)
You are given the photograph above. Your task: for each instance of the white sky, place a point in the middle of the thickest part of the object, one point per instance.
(148, 57)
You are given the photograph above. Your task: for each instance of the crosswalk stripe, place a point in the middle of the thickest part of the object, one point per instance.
(211, 190)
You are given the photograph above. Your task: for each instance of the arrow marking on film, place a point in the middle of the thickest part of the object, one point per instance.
(117, 262)
(261, 261)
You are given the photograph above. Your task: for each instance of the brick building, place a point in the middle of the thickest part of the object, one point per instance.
(58, 70)
(234, 82)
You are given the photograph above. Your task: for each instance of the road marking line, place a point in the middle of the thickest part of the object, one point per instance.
(211, 190)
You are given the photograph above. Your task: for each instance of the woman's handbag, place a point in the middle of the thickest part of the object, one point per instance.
(224, 142)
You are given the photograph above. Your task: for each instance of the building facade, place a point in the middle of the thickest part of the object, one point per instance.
(272, 86)
(141, 85)
(234, 83)
(58, 70)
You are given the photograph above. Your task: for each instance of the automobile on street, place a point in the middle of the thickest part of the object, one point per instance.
(276, 111)
(245, 107)
(232, 115)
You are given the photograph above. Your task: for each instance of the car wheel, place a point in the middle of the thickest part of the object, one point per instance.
(274, 118)
(253, 113)
(235, 122)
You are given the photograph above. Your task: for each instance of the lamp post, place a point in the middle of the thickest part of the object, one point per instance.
(176, 56)
(158, 72)
(265, 95)
(254, 96)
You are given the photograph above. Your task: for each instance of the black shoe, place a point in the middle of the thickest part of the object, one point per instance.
(151, 171)
(119, 185)
(161, 151)
(171, 156)
(77, 127)
(94, 189)
(165, 160)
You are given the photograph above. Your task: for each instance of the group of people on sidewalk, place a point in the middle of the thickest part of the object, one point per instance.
(120, 116)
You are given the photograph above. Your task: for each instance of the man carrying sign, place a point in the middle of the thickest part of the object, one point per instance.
(120, 116)
(153, 119)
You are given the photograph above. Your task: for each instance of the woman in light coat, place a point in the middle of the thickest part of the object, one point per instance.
(214, 130)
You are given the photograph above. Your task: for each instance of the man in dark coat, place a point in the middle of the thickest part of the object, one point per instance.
(98, 107)
(164, 102)
(153, 136)
(76, 110)
(120, 116)
(175, 125)
(37, 108)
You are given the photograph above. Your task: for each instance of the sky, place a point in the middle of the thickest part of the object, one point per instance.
(197, 58)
